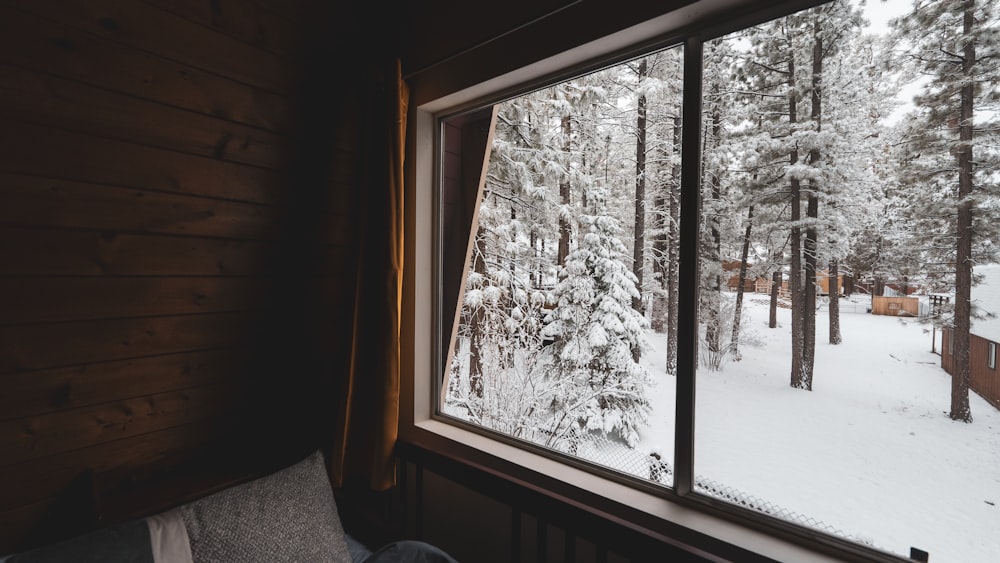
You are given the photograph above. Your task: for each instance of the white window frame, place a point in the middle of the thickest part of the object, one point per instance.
(991, 355)
(687, 515)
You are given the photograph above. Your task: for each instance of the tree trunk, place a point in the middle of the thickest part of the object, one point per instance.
(476, 329)
(712, 298)
(661, 247)
(835, 302)
(673, 256)
(812, 212)
(734, 344)
(565, 228)
(960, 409)
(809, 297)
(639, 240)
(775, 290)
(534, 273)
(795, 275)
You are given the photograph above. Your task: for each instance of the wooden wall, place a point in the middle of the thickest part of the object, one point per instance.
(983, 379)
(177, 209)
(895, 306)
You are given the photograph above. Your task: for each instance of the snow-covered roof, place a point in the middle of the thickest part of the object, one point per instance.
(986, 298)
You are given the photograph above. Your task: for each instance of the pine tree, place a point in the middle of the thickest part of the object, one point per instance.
(956, 44)
(594, 328)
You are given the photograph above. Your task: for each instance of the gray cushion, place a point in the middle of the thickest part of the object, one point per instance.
(287, 516)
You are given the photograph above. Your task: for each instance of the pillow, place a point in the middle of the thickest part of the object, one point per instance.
(287, 516)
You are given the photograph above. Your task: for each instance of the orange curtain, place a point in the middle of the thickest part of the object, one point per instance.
(367, 426)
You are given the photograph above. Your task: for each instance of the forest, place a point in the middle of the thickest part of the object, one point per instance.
(818, 179)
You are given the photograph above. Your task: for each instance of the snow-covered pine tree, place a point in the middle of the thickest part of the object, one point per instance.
(955, 45)
(595, 384)
(801, 148)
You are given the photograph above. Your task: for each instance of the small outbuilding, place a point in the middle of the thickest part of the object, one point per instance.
(984, 337)
(895, 306)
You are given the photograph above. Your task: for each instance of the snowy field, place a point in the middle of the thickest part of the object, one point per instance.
(870, 451)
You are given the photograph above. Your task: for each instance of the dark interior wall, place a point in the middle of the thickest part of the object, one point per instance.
(177, 222)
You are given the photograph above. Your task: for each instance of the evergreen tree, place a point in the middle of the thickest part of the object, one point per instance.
(594, 328)
(955, 44)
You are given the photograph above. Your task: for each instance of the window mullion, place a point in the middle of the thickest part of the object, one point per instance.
(687, 334)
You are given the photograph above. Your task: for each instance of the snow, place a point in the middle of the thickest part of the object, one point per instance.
(870, 451)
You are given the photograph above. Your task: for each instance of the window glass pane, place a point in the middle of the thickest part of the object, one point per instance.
(834, 202)
(566, 328)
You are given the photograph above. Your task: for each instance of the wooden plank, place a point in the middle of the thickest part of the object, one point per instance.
(38, 436)
(29, 347)
(982, 378)
(293, 11)
(75, 106)
(39, 252)
(240, 19)
(54, 153)
(37, 392)
(42, 202)
(62, 299)
(34, 201)
(39, 479)
(154, 31)
(36, 43)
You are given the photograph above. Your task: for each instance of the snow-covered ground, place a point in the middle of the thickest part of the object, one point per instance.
(870, 451)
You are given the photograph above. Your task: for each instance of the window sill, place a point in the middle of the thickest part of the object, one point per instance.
(670, 520)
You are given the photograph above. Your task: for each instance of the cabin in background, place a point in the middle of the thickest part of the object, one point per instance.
(984, 336)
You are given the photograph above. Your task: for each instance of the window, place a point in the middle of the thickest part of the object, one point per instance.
(553, 279)
(991, 356)
(552, 346)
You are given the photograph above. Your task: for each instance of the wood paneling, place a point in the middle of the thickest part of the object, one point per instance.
(31, 149)
(527, 523)
(54, 101)
(176, 251)
(53, 48)
(43, 202)
(35, 252)
(982, 378)
(41, 346)
(151, 30)
(38, 436)
(46, 299)
(245, 21)
(42, 391)
(46, 477)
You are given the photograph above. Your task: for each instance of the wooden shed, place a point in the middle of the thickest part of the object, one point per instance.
(823, 281)
(896, 306)
(984, 375)
(984, 337)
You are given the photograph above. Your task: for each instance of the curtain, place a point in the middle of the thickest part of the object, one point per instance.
(369, 399)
